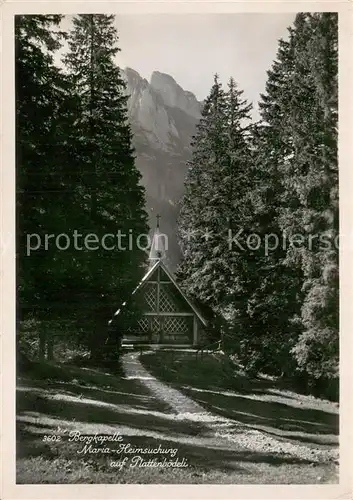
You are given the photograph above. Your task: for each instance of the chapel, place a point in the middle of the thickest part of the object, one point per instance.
(168, 315)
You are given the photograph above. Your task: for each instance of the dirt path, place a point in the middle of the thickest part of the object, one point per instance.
(232, 432)
(180, 403)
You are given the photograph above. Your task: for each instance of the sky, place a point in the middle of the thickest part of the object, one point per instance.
(193, 47)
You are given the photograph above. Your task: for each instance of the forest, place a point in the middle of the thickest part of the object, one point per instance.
(258, 223)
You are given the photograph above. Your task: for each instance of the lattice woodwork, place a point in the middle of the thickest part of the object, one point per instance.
(144, 324)
(155, 324)
(166, 303)
(151, 297)
(176, 324)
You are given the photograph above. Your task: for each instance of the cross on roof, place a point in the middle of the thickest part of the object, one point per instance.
(158, 217)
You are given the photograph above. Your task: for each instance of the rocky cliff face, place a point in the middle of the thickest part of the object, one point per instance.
(173, 95)
(163, 119)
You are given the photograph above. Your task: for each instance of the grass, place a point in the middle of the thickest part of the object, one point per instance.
(259, 403)
(57, 400)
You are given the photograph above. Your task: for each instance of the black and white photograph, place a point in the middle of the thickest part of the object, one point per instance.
(177, 248)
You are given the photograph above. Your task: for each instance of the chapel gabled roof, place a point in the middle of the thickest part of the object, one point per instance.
(145, 280)
(157, 258)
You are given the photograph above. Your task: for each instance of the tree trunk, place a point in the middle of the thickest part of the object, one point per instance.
(97, 344)
(50, 349)
(42, 343)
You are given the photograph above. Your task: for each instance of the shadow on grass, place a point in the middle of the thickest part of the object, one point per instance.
(92, 411)
(97, 402)
(124, 396)
(318, 439)
(204, 373)
(94, 383)
(272, 414)
(51, 372)
(92, 400)
(206, 380)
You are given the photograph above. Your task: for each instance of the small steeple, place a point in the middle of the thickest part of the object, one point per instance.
(157, 250)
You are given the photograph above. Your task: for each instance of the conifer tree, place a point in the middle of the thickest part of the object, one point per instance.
(198, 214)
(282, 183)
(314, 126)
(40, 90)
(108, 181)
(298, 157)
(215, 197)
(275, 298)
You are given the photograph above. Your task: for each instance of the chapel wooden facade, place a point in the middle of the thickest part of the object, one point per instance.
(169, 316)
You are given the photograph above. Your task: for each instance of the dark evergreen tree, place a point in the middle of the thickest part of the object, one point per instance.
(280, 302)
(107, 180)
(40, 91)
(75, 174)
(314, 127)
(215, 202)
(197, 215)
(297, 188)
(274, 299)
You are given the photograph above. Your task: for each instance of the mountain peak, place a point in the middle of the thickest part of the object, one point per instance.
(132, 72)
(133, 77)
(173, 95)
(158, 75)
